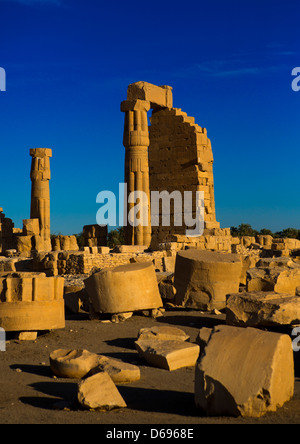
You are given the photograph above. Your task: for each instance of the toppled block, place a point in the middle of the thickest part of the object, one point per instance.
(204, 278)
(283, 278)
(120, 372)
(168, 354)
(73, 364)
(163, 333)
(126, 288)
(98, 392)
(256, 309)
(77, 364)
(244, 372)
(31, 302)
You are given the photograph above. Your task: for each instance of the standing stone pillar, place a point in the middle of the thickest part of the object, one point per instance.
(40, 192)
(136, 142)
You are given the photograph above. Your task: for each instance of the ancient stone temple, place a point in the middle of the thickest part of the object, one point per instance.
(173, 154)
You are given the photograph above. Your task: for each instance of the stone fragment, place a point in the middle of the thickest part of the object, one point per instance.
(244, 372)
(256, 309)
(204, 278)
(31, 302)
(169, 354)
(27, 336)
(119, 371)
(98, 392)
(126, 288)
(73, 364)
(163, 333)
(203, 337)
(284, 278)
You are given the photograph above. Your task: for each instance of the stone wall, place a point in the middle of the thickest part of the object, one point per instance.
(180, 158)
(7, 239)
(73, 263)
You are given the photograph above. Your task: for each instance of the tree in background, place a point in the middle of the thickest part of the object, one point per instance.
(247, 230)
(116, 237)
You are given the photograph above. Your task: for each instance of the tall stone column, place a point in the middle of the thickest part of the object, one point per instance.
(136, 142)
(40, 192)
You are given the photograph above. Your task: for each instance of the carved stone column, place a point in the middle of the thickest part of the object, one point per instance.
(136, 142)
(40, 192)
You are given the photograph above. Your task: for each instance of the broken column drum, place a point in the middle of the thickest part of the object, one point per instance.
(31, 302)
(40, 193)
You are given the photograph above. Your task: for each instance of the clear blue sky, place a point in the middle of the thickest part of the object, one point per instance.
(68, 64)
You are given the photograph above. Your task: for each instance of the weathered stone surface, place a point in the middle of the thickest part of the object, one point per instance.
(244, 371)
(169, 354)
(73, 364)
(125, 288)
(40, 193)
(27, 336)
(31, 302)
(98, 392)
(204, 278)
(284, 278)
(157, 95)
(120, 372)
(163, 333)
(262, 309)
(203, 337)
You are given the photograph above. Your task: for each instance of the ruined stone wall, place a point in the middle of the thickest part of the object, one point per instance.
(73, 263)
(180, 158)
(7, 239)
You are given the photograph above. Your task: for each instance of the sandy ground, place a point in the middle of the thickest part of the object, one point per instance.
(29, 394)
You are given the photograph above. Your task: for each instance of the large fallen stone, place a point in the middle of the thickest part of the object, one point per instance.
(98, 392)
(30, 301)
(126, 288)
(204, 278)
(72, 363)
(120, 372)
(169, 354)
(244, 372)
(281, 275)
(256, 309)
(163, 333)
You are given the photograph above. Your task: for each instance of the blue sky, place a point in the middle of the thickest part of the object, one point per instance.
(68, 64)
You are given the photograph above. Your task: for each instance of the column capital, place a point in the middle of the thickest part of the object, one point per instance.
(40, 152)
(135, 105)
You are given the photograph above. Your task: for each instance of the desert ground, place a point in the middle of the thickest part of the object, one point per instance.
(31, 394)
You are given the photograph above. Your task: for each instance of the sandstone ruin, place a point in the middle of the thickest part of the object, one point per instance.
(254, 281)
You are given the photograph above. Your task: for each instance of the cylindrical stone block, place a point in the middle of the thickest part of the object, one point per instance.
(204, 278)
(126, 288)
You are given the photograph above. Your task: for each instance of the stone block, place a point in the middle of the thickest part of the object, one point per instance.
(204, 278)
(244, 372)
(98, 392)
(73, 364)
(257, 309)
(168, 354)
(126, 288)
(31, 302)
(31, 227)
